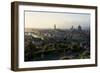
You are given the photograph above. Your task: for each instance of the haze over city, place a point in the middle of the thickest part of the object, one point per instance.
(56, 36)
(46, 20)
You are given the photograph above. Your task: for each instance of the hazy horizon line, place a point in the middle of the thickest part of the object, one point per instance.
(57, 28)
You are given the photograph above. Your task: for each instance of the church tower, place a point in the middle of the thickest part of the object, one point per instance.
(54, 26)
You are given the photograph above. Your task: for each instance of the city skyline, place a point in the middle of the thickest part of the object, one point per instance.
(47, 20)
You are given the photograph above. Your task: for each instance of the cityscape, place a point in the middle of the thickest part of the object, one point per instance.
(56, 43)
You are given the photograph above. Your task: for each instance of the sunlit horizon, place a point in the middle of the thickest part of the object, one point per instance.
(47, 20)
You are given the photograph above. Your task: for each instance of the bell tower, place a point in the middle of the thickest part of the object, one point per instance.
(54, 26)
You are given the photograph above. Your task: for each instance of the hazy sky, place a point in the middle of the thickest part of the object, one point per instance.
(62, 20)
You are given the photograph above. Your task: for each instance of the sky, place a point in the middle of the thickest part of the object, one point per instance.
(47, 20)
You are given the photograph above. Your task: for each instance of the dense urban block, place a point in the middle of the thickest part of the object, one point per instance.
(56, 44)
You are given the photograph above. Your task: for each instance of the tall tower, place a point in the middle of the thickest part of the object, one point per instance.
(54, 26)
(72, 28)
